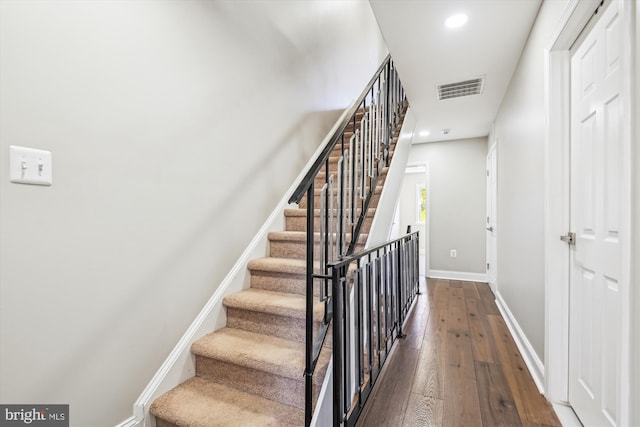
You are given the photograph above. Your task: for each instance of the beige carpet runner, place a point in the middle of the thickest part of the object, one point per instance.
(250, 373)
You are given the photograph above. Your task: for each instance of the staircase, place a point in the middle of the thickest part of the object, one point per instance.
(251, 371)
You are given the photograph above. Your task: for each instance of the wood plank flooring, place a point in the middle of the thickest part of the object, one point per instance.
(458, 366)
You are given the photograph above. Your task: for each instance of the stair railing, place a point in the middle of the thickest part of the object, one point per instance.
(372, 294)
(344, 178)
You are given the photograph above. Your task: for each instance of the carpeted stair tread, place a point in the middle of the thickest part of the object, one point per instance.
(278, 265)
(256, 351)
(201, 403)
(278, 303)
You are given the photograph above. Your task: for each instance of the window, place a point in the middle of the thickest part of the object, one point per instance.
(421, 203)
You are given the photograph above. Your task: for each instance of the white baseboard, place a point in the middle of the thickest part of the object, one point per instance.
(531, 359)
(457, 275)
(132, 421)
(566, 415)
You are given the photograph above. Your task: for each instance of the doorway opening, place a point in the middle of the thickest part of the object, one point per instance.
(413, 208)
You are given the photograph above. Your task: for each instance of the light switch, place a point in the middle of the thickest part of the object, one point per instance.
(30, 166)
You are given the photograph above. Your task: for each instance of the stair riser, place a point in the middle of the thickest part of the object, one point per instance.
(333, 164)
(295, 249)
(299, 223)
(264, 384)
(336, 151)
(288, 328)
(303, 203)
(321, 179)
(279, 282)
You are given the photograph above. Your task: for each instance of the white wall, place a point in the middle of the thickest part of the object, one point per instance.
(520, 131)
(456, 199)
(635, 278)
(382, 225)
(175, 127)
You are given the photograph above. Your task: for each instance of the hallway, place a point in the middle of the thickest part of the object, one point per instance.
(458, 366)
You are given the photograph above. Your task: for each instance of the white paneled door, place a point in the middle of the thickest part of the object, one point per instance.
(598, 179)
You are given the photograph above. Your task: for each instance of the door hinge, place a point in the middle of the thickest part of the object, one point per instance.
(570, 238)
(487, 266)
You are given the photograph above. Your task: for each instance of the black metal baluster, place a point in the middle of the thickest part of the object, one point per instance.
(348, 395)
(400, 296)
(370, 325)
(337, 347)
(381, 307)
(309, 310)
(357, 283)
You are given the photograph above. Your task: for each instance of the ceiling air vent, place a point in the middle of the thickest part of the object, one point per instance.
(458, 89)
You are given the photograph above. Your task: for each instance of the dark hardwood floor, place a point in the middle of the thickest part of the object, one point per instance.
(458, 366)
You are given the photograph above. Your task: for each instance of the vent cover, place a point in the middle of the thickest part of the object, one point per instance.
(458, 89)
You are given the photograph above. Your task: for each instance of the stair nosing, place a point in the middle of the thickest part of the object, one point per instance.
(278, 265)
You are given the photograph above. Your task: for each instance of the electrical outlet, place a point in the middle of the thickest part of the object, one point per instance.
(453, 253)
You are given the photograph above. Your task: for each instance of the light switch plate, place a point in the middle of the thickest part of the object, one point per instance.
(30, 166)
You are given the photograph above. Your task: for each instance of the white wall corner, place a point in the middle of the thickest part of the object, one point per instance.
(531, 359)
(635, 332)
(383, 219)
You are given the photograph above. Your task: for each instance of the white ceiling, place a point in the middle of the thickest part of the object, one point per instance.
(427, 54)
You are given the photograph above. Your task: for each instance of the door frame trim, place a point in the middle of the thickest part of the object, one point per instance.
(493, 148)
(557, 202)
(425, 239)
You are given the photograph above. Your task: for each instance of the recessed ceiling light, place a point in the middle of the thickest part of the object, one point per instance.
(424, 133)
(456, 21)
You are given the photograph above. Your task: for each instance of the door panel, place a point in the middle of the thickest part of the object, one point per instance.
(597, 169)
